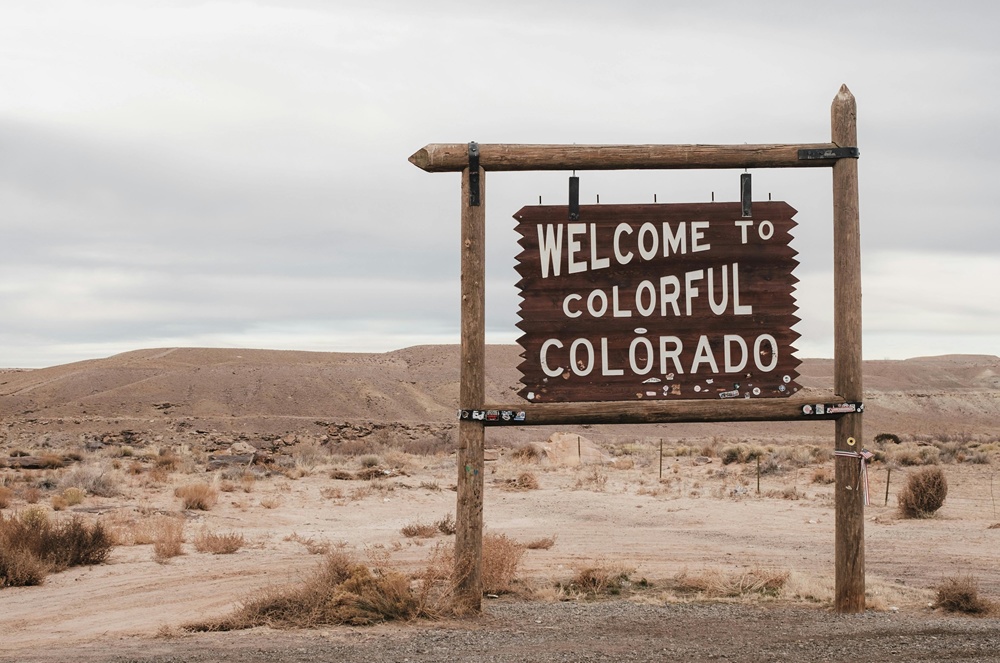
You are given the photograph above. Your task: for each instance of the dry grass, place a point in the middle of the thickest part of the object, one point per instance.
(218, 544)
(6, 497)
(595, 479)
(168, 539)
(923, 494)
(599, 579)
(501, 560)
(340, 591)
(31, 546)
(523, 481)
(419, 530)
(320, 547)
(200, 496)
(543, 543)
(92, 479)
(715, 583)
(961, 594)
(446, 525)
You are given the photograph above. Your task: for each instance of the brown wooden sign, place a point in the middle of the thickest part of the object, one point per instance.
(663, 301)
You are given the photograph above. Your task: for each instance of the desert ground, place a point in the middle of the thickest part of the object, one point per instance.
(300, 455)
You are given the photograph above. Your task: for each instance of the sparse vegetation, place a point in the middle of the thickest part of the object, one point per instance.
(716, 583)
(419, 530)
(168, 539)
(543, 543)
(200, 496)
(961, 594)
(93, 479)
(600, 579)
(32, 545)
(501, 560)
(340, 591)
(218, 544)
(923, 494)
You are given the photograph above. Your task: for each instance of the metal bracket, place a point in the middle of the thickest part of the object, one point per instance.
(831, 153)
(745, 195)
(474, 174)
(574, 198)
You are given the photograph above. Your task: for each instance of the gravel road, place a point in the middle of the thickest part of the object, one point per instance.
(613, 630)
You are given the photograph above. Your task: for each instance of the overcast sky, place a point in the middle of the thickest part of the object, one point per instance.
(234, 174)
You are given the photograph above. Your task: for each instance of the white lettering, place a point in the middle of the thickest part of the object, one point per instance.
(622, 258)
(551, 343)
(550, 247)
(574, 229)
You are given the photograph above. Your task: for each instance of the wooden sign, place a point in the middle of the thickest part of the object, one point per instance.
(663, 301)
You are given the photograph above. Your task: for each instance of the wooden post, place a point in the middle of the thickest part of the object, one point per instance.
(850, 525)
(661, 458)
(472, 394)
(888, 475)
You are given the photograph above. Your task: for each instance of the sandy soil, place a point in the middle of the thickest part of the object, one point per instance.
(700, 517)
(706, 517)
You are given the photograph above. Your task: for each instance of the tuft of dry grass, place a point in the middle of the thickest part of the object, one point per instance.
(92, 479)
(419, 530)
(595, 480)
(543, 543)
(340, 591)
(6, 497)
(716, 583)
(600, 579)
(313, 546)
(923, 494)
(218, 544)
(523, 481)
(168, 539)
(502, 557)
(446, 525)
(961, 594)
(31, 546)
(200, 496)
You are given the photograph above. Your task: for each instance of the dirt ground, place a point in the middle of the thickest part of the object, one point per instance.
(702, 517)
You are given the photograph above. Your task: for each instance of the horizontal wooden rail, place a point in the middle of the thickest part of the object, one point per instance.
(663, 412)
(447, 157)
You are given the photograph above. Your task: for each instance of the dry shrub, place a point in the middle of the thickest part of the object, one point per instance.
(31, 494)
(523, 481)
(6, 497)
(73, 496)
(543, 543)
(340, 591)
(313, 546)
(501, 559)
(331, 493)
(923, 494)
(199, 496)
(419, 530)
(218, 544)
(339, 474)
(740, 453)
(526, 453)
(92, 479)
(716, 583)
(31, 546)
(601, 579)
(961, 594)
(910, 454)
(168, 539)
(595, 480)
(823, 475)
(167, 460)
(59, 503)
(446, 525)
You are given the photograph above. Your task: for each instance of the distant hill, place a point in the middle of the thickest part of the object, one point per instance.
(274, 392)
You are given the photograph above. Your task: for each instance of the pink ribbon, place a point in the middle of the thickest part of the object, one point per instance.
(864, 456)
